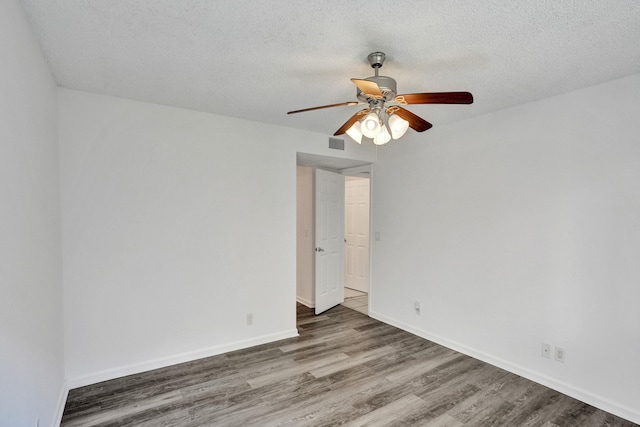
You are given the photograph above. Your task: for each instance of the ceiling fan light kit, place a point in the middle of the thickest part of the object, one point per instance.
(371, 125)
(398, 126)
(383, 137)
(355, 133)
(385, 119)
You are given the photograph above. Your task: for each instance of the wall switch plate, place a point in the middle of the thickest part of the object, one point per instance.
(546, 350)
(560, 354)
(416, 307)
(250, 319)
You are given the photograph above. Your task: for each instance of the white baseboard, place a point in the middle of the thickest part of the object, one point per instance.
(577, 393)
(149, 365)
(62, 401)
(306, 302)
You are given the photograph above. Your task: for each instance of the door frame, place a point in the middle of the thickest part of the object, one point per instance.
(360, 169)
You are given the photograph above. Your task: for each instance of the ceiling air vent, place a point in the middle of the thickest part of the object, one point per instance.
(336, 143)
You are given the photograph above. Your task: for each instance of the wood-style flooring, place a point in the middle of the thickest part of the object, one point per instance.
(344, 369)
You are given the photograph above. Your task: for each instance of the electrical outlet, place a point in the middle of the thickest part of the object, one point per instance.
(560, 354)
(249, 319)
(546, 350)
(416, 306)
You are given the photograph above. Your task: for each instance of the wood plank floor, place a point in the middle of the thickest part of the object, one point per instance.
(344, 369)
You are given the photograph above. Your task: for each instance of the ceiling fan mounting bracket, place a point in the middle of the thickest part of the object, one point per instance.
(376, 59)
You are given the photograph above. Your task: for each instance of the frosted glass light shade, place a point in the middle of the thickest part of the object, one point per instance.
(371, 125)
(398, 126)
(355, 133)
(383, 137)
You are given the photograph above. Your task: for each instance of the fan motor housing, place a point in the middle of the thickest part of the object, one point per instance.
(387, 85)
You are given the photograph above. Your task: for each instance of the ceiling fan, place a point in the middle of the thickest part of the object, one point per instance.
(385, 118)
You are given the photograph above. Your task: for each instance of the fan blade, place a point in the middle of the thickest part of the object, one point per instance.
(367, 87)
(435, 98)
(324, 106)
(351, 121)
(416, 123)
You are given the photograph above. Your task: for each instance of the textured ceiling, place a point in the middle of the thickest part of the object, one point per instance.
(259, 59)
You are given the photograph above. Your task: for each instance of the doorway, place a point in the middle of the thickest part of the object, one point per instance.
(305, 220)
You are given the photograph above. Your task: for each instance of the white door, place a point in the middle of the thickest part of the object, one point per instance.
(329, 240)
(357, 234)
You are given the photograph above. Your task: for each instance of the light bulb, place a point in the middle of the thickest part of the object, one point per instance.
(371, 125)
(355, 133)
(383, 137)
(398, 126)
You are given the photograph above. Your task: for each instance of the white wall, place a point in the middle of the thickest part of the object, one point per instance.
(176, 225)
(520, 227)
(305, 235)
(31, 335)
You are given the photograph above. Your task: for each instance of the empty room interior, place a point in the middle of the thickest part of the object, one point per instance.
(159, 206)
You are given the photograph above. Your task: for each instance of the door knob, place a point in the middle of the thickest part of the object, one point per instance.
(319, 250)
